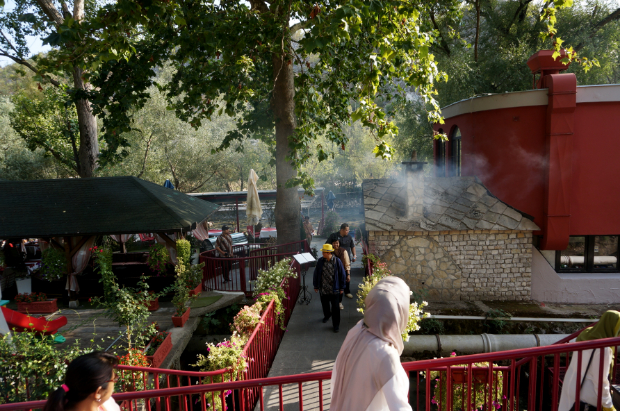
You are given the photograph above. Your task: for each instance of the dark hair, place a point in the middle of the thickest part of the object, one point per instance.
(306, 217)
(343, 226)
(85, 375)
(225, 227)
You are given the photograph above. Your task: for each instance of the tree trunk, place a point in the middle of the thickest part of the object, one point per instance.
(89, 145)
(283, 105)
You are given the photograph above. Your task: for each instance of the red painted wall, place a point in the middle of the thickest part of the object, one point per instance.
(505, 149)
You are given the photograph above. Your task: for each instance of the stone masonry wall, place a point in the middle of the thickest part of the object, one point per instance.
(460, 265)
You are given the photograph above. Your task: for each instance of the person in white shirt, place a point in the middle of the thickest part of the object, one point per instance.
(607, 327)
(367, 373)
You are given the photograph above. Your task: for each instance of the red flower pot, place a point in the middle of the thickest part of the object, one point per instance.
(161, 352)
(154, 304)
(38, 307)
(180, 321)
(197, 290)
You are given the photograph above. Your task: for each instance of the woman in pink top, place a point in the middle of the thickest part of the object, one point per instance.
(89, 384)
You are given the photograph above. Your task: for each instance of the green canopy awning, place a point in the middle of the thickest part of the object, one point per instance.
(95, 206)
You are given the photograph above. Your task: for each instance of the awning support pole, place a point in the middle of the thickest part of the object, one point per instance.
(237, 206)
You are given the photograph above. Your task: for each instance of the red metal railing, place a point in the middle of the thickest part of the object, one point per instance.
(473, 379)
(243, 268)
(259, 351)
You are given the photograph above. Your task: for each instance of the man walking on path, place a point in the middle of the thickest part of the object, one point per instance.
(329, 277)
(223, 245)
(348, 244)
(344, 257)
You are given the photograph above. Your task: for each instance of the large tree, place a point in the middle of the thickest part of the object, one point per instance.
(45, 18)
(293, 66)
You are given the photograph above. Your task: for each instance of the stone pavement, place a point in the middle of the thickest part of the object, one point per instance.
(311, 346)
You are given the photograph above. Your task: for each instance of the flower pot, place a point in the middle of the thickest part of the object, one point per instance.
(154, 304)
(24, 285)
(38, 307)
(197, 290)
(161, 352)
(180, 321)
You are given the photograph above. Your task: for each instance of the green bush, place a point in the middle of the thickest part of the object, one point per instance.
(184, 251)
(27, 358)
(332, 224)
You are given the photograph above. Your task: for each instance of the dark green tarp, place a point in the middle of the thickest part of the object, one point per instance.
(95, 206)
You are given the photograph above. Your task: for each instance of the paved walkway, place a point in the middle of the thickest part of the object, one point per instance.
(311, 346)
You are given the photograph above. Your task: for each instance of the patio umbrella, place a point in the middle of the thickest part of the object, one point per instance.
(168, 184)
(253, 211)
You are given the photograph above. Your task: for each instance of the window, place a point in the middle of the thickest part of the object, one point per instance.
(441, 157)
(588, 254)
(456, 152)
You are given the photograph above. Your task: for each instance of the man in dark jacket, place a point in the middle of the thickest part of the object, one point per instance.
(348, 244)
(329, 277)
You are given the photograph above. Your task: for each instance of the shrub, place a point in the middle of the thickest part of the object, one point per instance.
(128, 306)
(33, 361)
(380, 271)
(184, 252)
(246, 320)
(30, 298)
(331, 224)
(459, 391)
(134, 380)
(53, 264)
(158, 259)
(181, 290)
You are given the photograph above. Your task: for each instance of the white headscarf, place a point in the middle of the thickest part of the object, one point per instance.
(360, 369)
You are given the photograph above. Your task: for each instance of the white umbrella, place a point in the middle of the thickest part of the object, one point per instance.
(253, 210)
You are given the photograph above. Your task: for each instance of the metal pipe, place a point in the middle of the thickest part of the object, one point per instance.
(525, 319)
(473, 344)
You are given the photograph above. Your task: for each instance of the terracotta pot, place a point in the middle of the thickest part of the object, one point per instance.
(154, 304)
(180, 321)
(38, 307)
(161, 352)
(197, 290)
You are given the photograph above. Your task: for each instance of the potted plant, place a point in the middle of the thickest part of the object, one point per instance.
(158, 259)
(157, 350)
(35, 303)
(181, 295)
(194, 279)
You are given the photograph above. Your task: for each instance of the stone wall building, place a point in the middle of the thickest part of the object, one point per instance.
(449, 236)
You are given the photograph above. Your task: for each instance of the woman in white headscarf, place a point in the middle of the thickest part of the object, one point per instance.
(368, 374)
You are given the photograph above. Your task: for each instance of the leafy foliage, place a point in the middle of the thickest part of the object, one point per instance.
(33, 361)
(184, 250)
(128, 306)
(53, 264)
(181, 288)
(480, 392)
(158, 258)
(332, 223)
(50, 123)
(30, 297)
(380, 271)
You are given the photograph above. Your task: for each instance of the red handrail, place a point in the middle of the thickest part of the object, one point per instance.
(247, 265)
(472, 379)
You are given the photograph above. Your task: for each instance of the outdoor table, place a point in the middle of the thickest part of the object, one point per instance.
(268, 232)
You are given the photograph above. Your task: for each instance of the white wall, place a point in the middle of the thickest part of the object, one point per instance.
(586, 288)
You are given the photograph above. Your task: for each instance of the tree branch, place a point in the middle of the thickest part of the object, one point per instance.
(51, 11)
(444, 44)
(301, 26)
(517, 13)
(613, 16)
(146, 153)
(30, 66)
